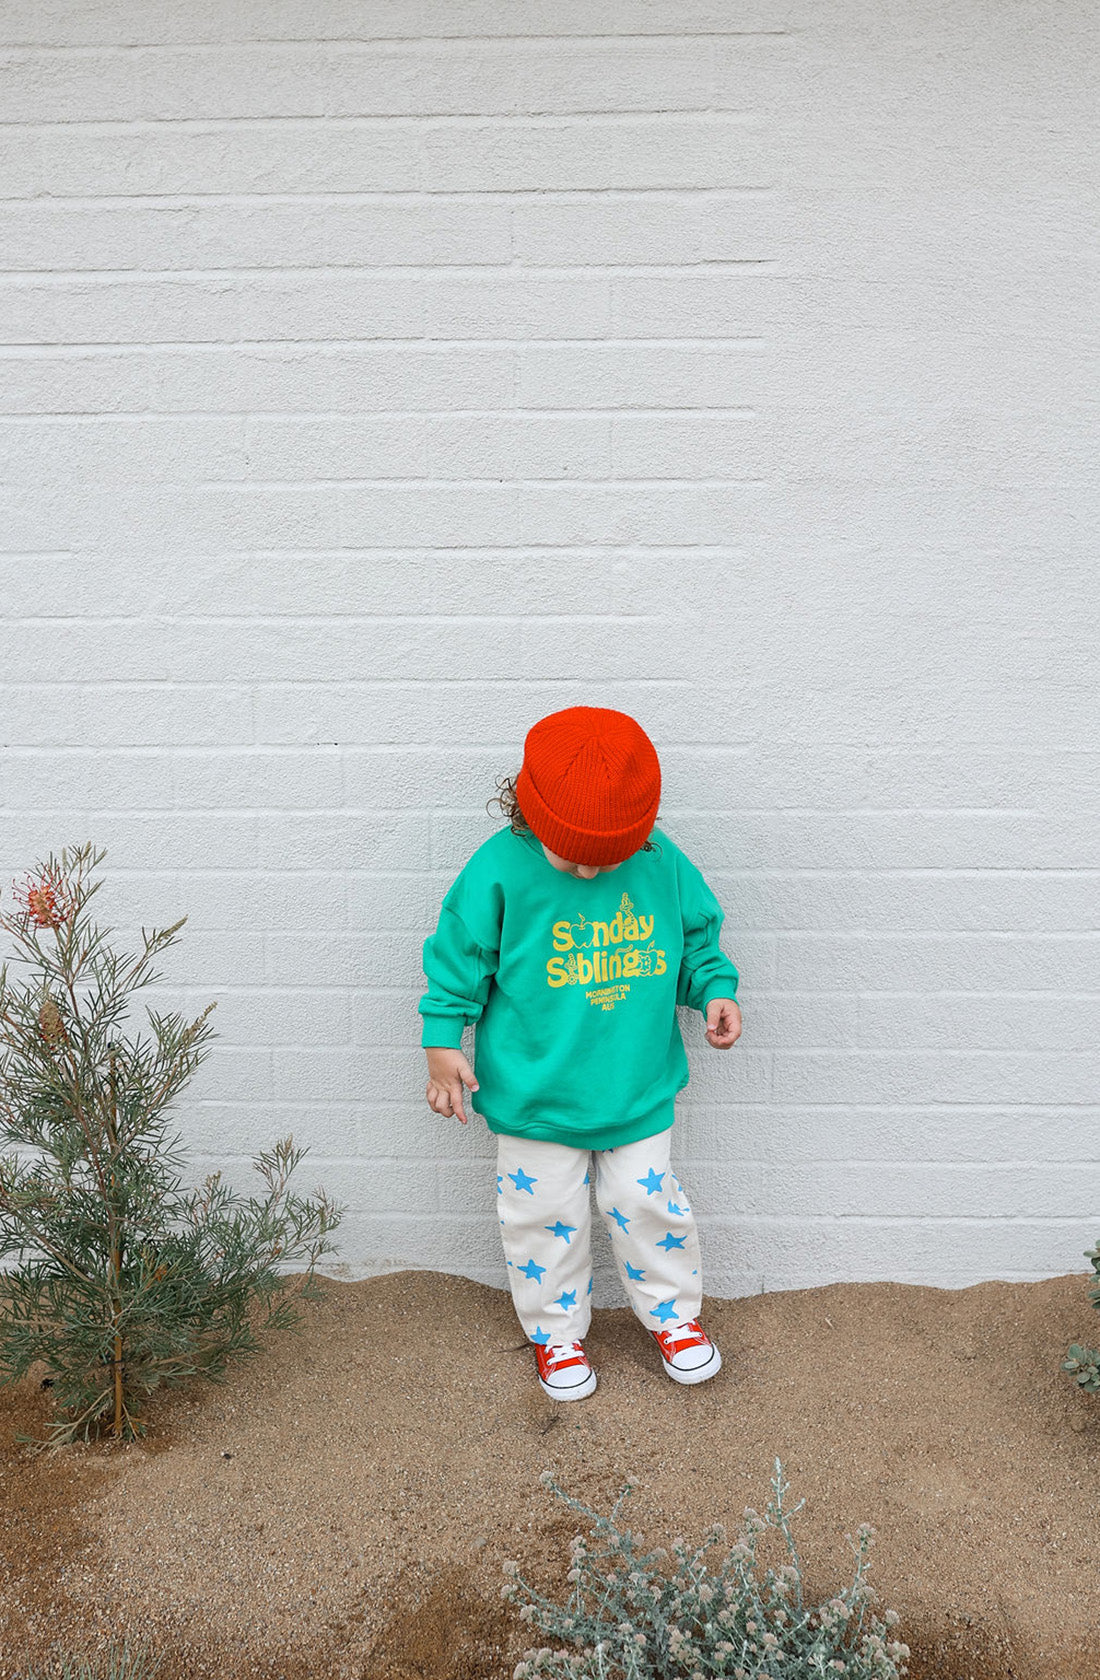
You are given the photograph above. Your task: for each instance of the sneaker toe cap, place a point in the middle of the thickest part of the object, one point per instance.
(693, 1358)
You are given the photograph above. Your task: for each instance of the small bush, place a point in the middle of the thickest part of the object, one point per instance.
(126, 1281)
(119, 1662)
(1083, 1363)
(635, 1615)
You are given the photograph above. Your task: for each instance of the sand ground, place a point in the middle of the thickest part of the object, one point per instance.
(342, 1506)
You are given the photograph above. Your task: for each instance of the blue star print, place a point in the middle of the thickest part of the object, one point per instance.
(670, 1242)
(636, 1272)
(619, 1218)
(560, 1230)
(540, 1336)
(664, 1310)
(500, 1184)
(522, 1182)
(532, 1270)
(672, 1208)
(567, 1299)
(589, 1286)
(652, 1182)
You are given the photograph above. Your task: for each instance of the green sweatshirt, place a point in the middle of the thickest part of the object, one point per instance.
(573, 985)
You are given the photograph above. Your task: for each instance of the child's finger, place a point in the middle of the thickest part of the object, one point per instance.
(455, 1094)
(441, 1099)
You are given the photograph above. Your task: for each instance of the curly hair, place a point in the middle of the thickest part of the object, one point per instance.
(508, 801)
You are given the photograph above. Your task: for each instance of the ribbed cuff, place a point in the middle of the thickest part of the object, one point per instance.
(441, 1032)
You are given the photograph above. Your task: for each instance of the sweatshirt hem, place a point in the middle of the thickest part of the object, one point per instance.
(590, 1136)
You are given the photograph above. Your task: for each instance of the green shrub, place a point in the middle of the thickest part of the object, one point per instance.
(635, 1615)
(118, 1663)
(126, 1282)
(1083, 1363)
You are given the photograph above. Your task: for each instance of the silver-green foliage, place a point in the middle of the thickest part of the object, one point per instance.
(1083, 1363)
(636, 1615)
(119, 1662)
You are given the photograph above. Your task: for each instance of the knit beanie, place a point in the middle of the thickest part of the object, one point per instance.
(590, 784)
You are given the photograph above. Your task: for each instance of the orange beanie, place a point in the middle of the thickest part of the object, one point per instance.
(590, 784)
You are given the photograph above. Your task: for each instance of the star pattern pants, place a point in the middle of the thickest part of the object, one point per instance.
(545, 1220)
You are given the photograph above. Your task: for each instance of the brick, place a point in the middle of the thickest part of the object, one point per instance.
(670, 152)
(178, 839)
(350, 377)
(965, 1076)
(687, 446)
(66, 778)
(927, 1189)
(518, 446)
(479, 514)
(732, 303)
(971, 1132)
(333, 956)
(330, 446)
(44, 714)
(28, 308)
(936, 962)
(276, 155)
(631, 231)
(116, 449)
(89, 381)
(964, 1022)
(627, 374)
(515, 303)
(257, 779)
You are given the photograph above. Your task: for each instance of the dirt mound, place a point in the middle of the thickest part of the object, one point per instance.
(341, 1508)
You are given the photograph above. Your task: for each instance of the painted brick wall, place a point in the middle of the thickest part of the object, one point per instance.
(380, 377)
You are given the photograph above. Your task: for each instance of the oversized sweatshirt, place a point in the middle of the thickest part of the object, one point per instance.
(573, 986)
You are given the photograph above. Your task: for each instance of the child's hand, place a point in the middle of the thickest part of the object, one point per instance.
(723, 1023)
(448, 1071)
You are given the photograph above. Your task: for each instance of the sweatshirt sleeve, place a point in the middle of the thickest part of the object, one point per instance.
(705, 970)
(459, 970)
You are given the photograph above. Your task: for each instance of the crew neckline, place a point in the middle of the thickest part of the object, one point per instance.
(535, 845)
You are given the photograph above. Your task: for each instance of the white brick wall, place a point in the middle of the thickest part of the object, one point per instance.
(381, 377)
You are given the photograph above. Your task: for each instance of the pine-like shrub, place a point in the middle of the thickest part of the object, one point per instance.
(636, 1615)
(126, 1281)
(1083, 1363)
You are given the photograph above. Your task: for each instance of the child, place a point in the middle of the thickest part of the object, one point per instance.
(569, 938)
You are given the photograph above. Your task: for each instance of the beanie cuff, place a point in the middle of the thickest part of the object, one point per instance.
(580, 845)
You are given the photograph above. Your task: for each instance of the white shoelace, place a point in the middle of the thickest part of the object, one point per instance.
(559, 1351)
(686, 1333)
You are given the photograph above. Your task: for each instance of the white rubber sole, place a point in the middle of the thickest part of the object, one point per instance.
(580, 1391)
(701, 1373)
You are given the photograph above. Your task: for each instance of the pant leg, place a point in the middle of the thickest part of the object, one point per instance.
(545, 1227)
(652, 1229)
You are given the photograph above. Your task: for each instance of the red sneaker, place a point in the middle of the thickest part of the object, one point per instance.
(687, 1352)
(564, 1371)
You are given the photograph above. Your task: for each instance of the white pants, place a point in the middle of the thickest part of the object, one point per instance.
(543, 1201)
